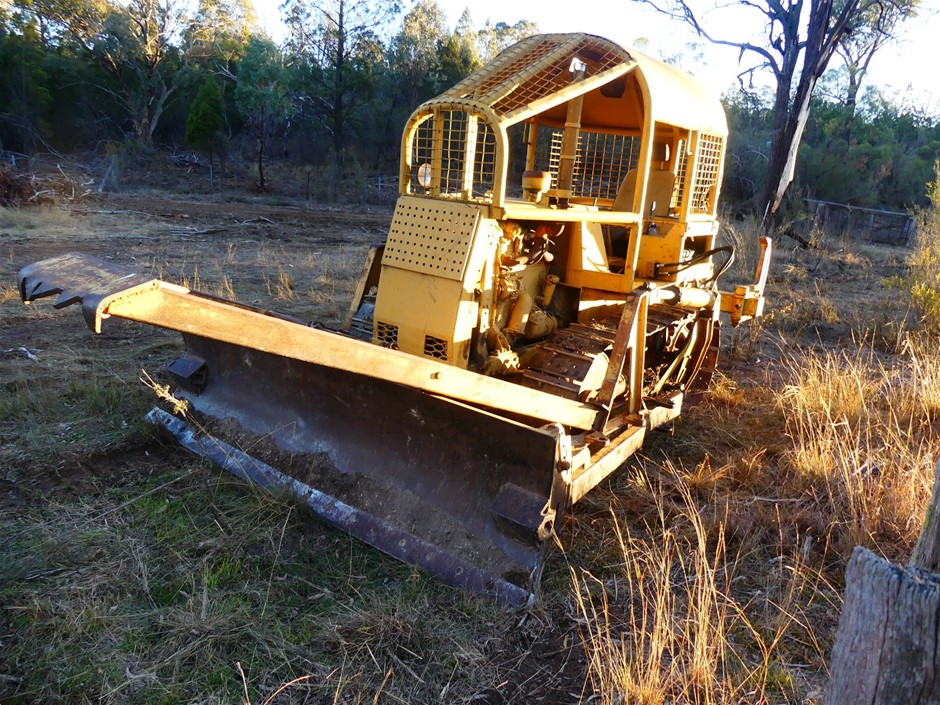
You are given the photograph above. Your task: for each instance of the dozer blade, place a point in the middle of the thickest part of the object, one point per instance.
(409, 455)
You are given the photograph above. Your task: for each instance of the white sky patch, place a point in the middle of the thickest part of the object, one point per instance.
(906, 70)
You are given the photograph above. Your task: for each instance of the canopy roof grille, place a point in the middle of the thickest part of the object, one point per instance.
(537, 68)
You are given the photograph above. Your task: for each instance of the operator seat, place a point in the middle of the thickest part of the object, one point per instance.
(659, 188)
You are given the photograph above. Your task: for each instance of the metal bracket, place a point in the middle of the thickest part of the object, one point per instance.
(629, 343)
(747, 302)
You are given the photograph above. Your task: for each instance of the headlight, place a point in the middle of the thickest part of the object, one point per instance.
(424, 176)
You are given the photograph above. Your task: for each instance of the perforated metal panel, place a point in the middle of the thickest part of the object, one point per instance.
(431, 237)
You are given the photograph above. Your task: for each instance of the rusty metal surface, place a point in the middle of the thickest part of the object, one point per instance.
(367, 527)
(427, 467)
(468, 494)
(76, 278)
(432, 468)
(629, 343)
(173, 307)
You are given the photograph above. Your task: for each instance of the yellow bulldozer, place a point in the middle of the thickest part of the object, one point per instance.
(547, 294)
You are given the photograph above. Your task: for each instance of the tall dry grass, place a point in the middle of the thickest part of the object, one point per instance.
(863, 430)
(744, 236)
(666, 626)
(724, 580)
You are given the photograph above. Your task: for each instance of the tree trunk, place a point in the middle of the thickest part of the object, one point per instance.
(927, 551)
(824, 28)
(339, 96)
(886, 648)
(262, 184)
(157, 102)
(142, 129)
(783, 155)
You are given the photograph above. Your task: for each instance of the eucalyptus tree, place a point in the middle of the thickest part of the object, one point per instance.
(25, 99)
(493, 38)
(336, 46)
(205, 122)
(793, 40)
(458, 56)
(261, 93)
(133, 43)
(874, 28)
(414, 51)
(219, 31)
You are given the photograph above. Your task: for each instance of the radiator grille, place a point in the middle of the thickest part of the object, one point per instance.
(386, 335)
(707, 166)
(435, 347)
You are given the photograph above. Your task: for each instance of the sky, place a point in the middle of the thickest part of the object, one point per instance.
(906, 71)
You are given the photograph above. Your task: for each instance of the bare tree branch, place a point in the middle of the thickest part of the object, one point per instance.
(801, 38)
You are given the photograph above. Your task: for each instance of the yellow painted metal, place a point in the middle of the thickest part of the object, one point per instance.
(476, 274)
(747, 302)
(431, 237)
(586, 473)
(431, 271)
(657, 137)
(569, 147)
(470, 158)
(528, 211)
(177, 308)
(680, 99)
(531, 80)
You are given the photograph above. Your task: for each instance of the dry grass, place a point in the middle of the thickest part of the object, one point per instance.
(719, 581)
(8, 293)
(35, 218)
(154, 591)
(744, 236)
(863, 436)
(670, 642)
(668, 624)
(282, 287)
(707, 571)
(313, 285)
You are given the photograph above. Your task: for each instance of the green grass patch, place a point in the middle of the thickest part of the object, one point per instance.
(153, 591)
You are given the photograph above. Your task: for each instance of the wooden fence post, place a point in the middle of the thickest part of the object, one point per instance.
(927, 551)
(887, 648)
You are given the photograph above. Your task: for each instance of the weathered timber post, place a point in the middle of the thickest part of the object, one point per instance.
(927, 551)
(887, 648)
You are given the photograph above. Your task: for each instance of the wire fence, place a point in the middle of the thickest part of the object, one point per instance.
(886, 227)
